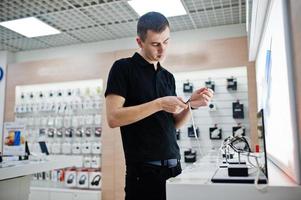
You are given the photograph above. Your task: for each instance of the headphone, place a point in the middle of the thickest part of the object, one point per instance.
(1, 73)
(70, 178)
(82, 179)
(95, 181)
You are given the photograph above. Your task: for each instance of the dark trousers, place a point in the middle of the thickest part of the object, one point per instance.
(147, 182)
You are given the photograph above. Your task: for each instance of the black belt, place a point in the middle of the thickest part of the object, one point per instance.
(166, 163)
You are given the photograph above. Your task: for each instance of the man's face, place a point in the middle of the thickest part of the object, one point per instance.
(155, 44)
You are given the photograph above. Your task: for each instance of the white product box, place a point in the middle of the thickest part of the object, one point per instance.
(82, 179)
(86, 148)
(70, 178)
(66, 148)
(95, 162)
(76, 148)
(96, 148)
(95, 180)
(87, 161)
(56, 148)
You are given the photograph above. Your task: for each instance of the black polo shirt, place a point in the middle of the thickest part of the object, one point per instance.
(154, 137)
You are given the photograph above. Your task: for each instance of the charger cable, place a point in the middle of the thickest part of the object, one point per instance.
(194, 129)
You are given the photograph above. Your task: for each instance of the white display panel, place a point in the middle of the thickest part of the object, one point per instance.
(276, 94)
(222, 115)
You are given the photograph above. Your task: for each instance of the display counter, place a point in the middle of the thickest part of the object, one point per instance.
(195, 183)
(15, 176)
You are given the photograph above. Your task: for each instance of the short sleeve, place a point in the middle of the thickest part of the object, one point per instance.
(117, 80)
(174, 93)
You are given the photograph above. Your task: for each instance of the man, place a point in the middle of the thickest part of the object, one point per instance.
(141, 100)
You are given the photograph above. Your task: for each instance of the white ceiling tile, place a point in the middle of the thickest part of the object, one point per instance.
(96, 20)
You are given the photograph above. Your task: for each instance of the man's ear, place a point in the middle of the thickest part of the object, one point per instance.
(139, 41)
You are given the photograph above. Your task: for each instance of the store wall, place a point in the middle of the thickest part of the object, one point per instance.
(294, 7)
(189, 56)
(2, 92)
(180, 38)
(5, 58)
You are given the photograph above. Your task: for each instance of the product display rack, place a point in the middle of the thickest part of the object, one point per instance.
(225, 115)
(67, 117)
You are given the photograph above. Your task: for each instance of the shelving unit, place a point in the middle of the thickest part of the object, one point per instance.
(67, 117)
(230, 85)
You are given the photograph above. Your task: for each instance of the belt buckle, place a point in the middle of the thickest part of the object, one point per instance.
(172, 162)
(164, 163)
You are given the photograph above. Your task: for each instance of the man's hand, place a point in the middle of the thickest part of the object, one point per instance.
(172, 104)
(201, 97)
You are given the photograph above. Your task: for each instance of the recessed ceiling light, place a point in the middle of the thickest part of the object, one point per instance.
(169, 8)
(30, 27)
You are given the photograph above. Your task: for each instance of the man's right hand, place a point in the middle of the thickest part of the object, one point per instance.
(172, 104)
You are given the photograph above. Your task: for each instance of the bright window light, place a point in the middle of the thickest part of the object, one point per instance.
(169, 8)
(30, 27)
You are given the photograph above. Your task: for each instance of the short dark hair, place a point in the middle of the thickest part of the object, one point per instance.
(153, 21)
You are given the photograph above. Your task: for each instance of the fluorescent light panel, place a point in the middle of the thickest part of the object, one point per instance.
(30, 27)
(169, 8)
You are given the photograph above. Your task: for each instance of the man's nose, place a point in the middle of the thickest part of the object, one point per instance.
(162, 48)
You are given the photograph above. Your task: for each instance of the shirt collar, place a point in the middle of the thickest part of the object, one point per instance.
(141, 61)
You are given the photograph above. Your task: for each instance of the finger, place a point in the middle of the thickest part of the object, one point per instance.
(210, 90)
(201, 90)
(209, 94)
(206, 97)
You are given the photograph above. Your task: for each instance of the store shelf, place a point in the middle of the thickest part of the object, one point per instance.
(42, 185)
(22, 168)
(48, 190)
(67, 117)
(45, 193)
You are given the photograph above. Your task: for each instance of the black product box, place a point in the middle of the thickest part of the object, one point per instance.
(238, 170)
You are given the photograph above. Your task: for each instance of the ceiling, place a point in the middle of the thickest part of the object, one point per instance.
(83, 21)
